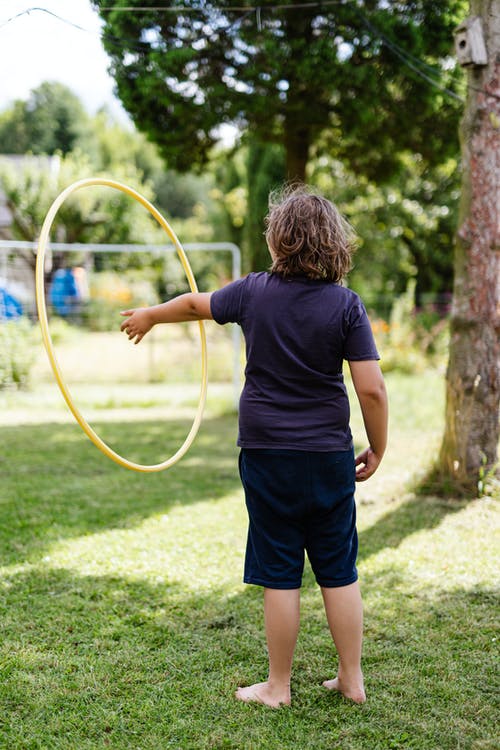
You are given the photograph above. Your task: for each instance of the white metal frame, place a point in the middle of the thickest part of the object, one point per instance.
(228, 247)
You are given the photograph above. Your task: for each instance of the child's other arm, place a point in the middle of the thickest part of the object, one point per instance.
(191, 306)
(370, 390)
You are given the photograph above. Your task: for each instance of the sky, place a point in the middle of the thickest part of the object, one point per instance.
(37, 47)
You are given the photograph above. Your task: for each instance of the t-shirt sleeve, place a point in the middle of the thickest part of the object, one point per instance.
(359, 343)
(226, 303)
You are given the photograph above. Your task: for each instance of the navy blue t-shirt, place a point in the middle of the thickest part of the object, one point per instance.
(297, 332)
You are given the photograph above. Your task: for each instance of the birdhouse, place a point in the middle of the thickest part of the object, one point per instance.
(469, 43)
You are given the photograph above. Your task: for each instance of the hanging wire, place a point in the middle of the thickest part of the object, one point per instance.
(231, 9)
(112, 39)
(408, 59)
(258, 19)
(42, 10)
(413, 63)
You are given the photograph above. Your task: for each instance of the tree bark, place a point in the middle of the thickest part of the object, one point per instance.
(297, 141)
(470, 441)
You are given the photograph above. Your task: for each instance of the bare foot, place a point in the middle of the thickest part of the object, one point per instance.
(355, 691)
(263, 693)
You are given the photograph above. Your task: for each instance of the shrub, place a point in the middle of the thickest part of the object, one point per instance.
(17, 352)
(111, 292)
(410, 342)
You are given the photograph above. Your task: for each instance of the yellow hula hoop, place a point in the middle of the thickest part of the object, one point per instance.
(47, 340)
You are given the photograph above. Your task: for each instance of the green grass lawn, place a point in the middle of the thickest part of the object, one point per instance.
(124, 621)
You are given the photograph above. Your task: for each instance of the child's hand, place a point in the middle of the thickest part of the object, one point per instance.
(368, 462)
(138, 323)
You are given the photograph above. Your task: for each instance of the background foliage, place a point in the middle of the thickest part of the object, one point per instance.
(392, 169)
(340, 81)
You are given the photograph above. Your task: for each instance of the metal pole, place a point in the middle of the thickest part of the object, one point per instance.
(230, 247)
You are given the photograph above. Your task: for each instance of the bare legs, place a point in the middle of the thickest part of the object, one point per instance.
(344, 611)
(281, 615)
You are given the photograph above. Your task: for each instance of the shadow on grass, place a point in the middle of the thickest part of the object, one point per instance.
(94, 661)
(415, 514)
(56, 484)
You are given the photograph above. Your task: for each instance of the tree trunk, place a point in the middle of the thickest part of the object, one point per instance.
(297, 143)
(470, 441)
(265, 172)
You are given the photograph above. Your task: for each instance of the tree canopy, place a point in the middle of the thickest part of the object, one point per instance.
(339, 78)
(51, 119)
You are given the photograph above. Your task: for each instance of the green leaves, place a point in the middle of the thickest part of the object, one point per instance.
(359, 65)
(52, 119)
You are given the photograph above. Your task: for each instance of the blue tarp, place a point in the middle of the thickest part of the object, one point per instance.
(10, 307)
(64, 294)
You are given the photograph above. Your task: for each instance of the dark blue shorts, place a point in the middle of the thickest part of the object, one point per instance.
(299, 501)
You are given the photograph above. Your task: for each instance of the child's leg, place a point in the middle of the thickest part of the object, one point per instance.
(344, 612)
(281, 614)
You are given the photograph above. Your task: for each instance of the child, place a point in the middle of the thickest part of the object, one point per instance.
(296, 462)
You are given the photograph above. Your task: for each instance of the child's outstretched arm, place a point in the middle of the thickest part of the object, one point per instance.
(191, 306)
(370, 390)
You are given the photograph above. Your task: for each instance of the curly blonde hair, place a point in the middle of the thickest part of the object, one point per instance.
(307, 236)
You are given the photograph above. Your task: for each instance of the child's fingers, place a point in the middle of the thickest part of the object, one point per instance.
(361, 462)
(368, 463)
(362, 458)
(362, 474)
(132, 326)
(133, 336)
